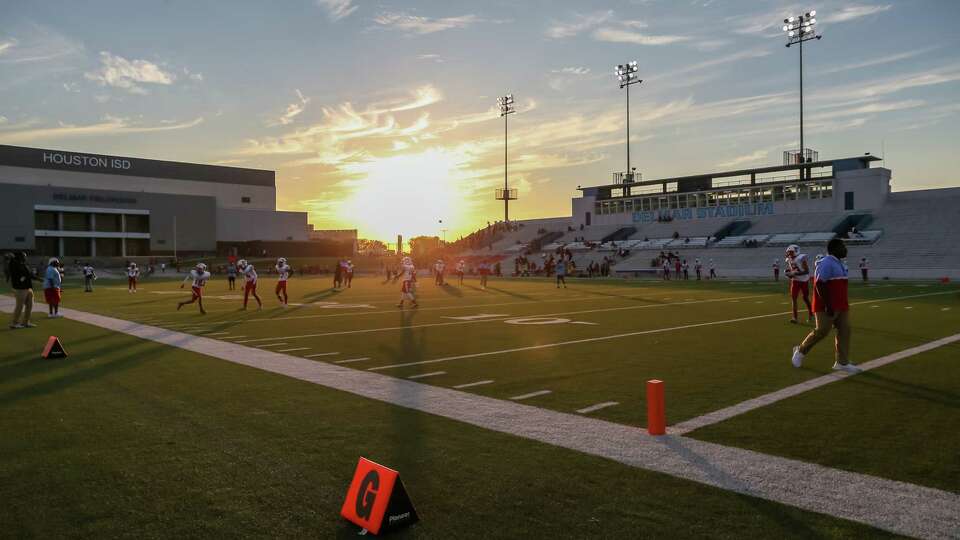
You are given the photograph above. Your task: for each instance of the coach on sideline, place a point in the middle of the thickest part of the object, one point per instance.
(830, 307)
(21, 279)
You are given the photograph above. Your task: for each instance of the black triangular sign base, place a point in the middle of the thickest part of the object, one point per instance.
(400, 511)
(56, 350)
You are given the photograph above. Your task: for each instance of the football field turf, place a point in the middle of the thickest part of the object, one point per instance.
(590, 348)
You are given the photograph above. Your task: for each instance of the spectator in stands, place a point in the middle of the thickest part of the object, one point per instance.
(831, 309)
(864, 268)
(676, 235)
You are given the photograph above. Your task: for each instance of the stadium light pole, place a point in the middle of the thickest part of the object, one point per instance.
(800, 28)
(505, 104)
(627, 75)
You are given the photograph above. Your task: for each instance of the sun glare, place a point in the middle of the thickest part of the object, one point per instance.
(407, 194)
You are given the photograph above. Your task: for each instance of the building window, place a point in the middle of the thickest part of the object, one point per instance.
(45, 221)
(76, 221)
(139, 223)
(108, 223)
(47, 246)
(76, 247)
(19, 239)
(245, 200)
(108, 247)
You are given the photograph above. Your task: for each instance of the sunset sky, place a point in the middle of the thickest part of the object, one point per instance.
(382, 116)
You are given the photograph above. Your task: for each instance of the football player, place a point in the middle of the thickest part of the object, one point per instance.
(133, 273)
(199, 275)
(408, 274)
(798, 270)
(461, 269)
(438, 268)
(283, 273)
(250, 286)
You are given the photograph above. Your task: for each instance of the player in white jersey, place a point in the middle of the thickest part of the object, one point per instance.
(199, 275)
(408, 275)
(461, 270)
(89, 276)
(133, 273)
(349, 273)
(250, 286)
(438, 268)
(283, 273)
(798, 270)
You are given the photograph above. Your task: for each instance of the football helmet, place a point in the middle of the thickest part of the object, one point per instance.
(792, 250)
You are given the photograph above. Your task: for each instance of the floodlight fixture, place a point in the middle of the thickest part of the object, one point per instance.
(800, 29)
(627, 75)
(505, 104)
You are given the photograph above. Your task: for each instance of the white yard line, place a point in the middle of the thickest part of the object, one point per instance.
(597, 407)
(424, 375)
(295, 349)
(790, 391)
(531, 394)
(351, 360)
(623, 335)
(454, 323)
(265, 345)
(896, 506)
(472, 384)
(215, 334)
(321, 354)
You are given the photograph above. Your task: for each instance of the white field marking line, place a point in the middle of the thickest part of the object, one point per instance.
(945, 309)
(530, 395)
(908, 307)
(321, 354)
(791, 391)
(440, 308)
(272, 344)
(472, 384)
(350, 361)
(584, 322)
(452, 323)
(295, 349)
(424, 375)
(233, 337)
(597, 407)
(207, 334)
(618, 336)
(896, 506)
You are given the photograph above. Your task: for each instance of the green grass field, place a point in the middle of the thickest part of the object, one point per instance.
(130, 437)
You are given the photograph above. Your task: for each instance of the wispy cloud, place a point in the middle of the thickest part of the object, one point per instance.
(118, 72)
(615, 35)
(856, 11)
(34, 44)
(562, 78)
(6, 45)
(577, 24)
(430, 58)
(888, 59)
(292, 111)
(748, 159)
(416, 24)
(337, 9)
(110, 125)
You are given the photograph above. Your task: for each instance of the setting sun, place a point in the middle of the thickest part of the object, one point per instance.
(407, 194)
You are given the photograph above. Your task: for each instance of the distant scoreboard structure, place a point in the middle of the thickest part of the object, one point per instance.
(74, 204)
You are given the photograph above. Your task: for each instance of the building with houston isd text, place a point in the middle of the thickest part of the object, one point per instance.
(74, 204)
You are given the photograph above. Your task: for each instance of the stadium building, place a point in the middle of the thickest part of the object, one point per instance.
(74, 204)
(742, 220)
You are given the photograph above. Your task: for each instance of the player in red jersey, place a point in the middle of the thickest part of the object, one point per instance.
(133, 273)
(408, 275)
(250, 285)
(832, 309)
(798, 270)
(199, 275)
(283, 273)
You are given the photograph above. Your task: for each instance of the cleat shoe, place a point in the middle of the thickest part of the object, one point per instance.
(848, 367)
(16, 326)
(794, 321)
(797, 358)
(28, 325)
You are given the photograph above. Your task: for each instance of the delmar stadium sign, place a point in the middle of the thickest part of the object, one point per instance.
(736, 210)
(83, 160)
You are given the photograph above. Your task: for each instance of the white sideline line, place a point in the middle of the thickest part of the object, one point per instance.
(797, 389)
(895, 506)
(453, 323)
(530, 395)
(597, 407)
(431, 374)
(295, 349)
(271, 345)
(351, 360)
(471, 384)
(321, 354)
(627, 334)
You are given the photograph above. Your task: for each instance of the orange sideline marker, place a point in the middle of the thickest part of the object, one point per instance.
(656, 412)
(53, 349)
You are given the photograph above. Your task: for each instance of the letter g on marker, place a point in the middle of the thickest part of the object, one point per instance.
(367, 494)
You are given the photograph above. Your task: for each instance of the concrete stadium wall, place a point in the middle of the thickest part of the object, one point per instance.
(243, 225)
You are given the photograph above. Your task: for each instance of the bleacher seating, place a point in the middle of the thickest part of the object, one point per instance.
(815, 238)
(686, 243)
(784, 239)
(864, 237)
(741, 241)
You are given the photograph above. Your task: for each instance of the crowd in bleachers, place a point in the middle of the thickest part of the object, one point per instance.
(486, 237)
